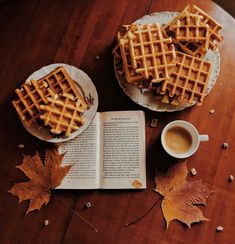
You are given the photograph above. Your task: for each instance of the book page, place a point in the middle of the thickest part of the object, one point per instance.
(122, 137)
(83, 152)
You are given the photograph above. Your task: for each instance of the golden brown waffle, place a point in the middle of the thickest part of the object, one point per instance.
(166, 27)
(190, 35)
(188, 79)
(63, 113)
(122, 60)
(61, 82)
(214, 26)
(124, 65)
(30, 96)
(194, 48)
(149, 52)
(190, 29)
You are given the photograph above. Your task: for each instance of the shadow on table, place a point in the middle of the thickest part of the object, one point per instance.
(161, 161)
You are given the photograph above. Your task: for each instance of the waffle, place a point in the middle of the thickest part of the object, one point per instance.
(214, 26)
(166, 27)
(194, 48)
(190, 29)
(151, 52)
(61, 82)
(30, 96)
(123, 64)
(131, 75)
(190, 35)
(122, 60)
(188, 79)
(127, 70)
(63, 114)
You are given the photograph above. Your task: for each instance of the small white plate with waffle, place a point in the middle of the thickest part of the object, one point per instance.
(148, 99)
(86, 89)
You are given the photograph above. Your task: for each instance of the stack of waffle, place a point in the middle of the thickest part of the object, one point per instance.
(44, 101)
(194, 31)
(147, 54)
(168, 60)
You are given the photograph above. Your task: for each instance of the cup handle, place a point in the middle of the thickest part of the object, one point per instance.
(203, 137)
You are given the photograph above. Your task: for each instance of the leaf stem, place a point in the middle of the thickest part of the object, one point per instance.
(96, 230)
(144, 215)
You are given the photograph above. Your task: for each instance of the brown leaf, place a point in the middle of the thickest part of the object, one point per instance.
(43, 178)
(181, 196)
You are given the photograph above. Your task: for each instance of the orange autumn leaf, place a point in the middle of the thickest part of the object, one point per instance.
(43, 178)
(181, 196)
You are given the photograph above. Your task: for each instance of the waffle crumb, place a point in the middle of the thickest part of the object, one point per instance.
(137, 184)
(219, 228)
(212, 111)
(154, 123)
(225, 145)
(21, 146)
(87, 205)
(46, 222)
(231, 178)
(193, 171)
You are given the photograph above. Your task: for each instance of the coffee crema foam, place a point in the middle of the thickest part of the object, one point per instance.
(178, 139)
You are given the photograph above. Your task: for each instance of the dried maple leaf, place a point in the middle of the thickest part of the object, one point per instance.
(181, 196)
(43, 178)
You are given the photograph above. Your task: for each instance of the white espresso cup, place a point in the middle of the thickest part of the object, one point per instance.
(180, 139)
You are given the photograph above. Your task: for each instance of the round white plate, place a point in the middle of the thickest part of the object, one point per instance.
(85, 86)
(148, 99)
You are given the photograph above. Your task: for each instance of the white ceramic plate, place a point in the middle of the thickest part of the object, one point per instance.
(147, 99)
(85, 86)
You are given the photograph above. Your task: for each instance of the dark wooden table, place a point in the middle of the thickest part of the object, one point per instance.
(37, 33)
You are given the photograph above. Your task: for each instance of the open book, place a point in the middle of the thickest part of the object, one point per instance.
(110, 154)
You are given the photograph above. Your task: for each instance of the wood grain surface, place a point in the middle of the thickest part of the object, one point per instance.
(37, 33)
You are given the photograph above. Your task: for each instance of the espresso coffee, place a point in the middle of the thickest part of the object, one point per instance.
(178, 139)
